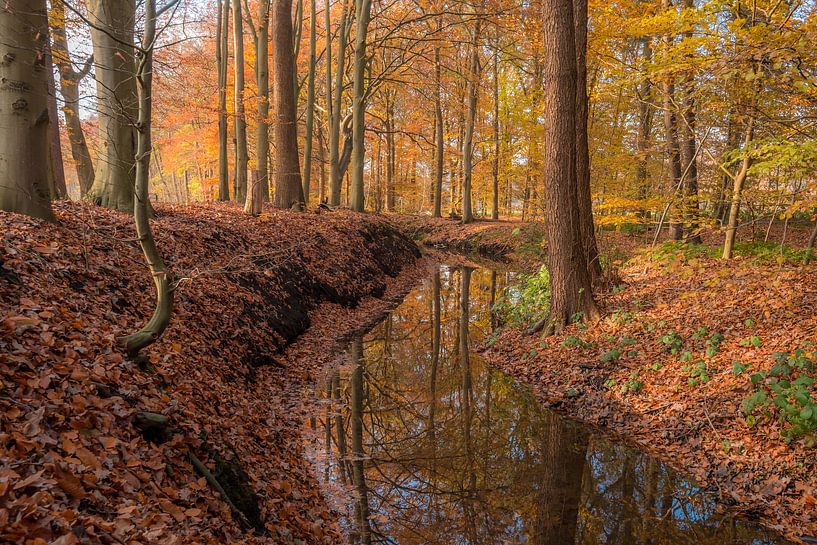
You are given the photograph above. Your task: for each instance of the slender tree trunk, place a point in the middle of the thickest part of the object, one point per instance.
(222, 54)
(288, 189)
(112, 35)
(362, 16)
(439, 134)
(473, 75)
(333, 99)
(259, 190)
(310, 103)
(69, 88)
(671, 136)
(239, 117)
(57, 188)
(689, 151)
(585, 202)
(570, 286)
(737, 189)
(24, 135)
(390, 153)
(322, 160)
(645, 115)
(158, 271)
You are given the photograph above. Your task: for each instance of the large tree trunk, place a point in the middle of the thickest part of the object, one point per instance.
(57, 187)
(239, 117)
(158, 272)
(362, 15)
(222, 54)
(24, 135)
(112, 34)
(310, 103)
(585, 202)
(288, 189)
(645, 115)
(69, 88)
(333, 101)
(439, 134)
(473, 75)
(259, 190)
(570, 286)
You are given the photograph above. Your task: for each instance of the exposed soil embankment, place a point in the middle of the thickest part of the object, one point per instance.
(77, 466)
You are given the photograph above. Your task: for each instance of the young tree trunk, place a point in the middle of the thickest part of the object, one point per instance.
(645, 115)
(288, 188)
(390, 153)
(439, 134)
(672, 147)
(158, 271)
(362, 16)
(222, 54)
(333, 101)
(69, 88)
(112, 35)
(310, 103)
(473, 75)
(689, 151)
(570, 286)
(239, 117)
(583, 195)
(495, 165)
(259, 190)
(737, 189)
(24, 135)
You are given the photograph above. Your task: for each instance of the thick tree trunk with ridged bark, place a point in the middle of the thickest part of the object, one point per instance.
(112, 34)
(362, 15)
(24, 134)
(288, 189)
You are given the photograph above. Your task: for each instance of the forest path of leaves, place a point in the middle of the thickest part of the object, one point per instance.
(227, 372)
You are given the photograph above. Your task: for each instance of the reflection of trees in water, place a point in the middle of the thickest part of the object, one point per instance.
(445, 451)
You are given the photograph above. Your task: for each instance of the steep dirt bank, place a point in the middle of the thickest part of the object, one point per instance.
(75, 467)
(686, 340)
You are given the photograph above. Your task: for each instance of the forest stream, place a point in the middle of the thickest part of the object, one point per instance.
(437, 448)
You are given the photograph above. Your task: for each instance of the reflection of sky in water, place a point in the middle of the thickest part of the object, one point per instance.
(507, 471)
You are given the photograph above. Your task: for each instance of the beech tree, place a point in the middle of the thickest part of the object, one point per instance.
(362, 15)
(112, 23)
(259, 187)
(239, 116)
(222, 53)
(288, 189)
(24, 134)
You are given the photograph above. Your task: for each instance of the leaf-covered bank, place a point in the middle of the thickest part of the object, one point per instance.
(708, 364)
(80, 461)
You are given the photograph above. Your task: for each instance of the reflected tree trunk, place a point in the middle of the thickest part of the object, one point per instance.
(564, 455)
(358, 453)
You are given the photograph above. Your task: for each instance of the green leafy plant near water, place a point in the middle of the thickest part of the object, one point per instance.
(785, 392)
(528, 301)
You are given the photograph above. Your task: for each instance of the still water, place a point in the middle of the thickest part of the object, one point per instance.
(420, 442)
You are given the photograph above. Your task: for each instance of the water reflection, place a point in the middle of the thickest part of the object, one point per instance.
(444, 450)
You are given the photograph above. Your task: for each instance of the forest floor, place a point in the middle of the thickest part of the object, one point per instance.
(229, 374)
(684, 351)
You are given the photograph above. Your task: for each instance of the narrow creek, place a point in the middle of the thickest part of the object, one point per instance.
(418, 441)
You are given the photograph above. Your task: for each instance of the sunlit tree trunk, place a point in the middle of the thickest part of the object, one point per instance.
(440, 132)
(333, 100)
(737, 191)
(112, 35)
(259, 188)
(288, 188)
(362, 16)
(310, 103)
(69, 88)
(24, 135)
(583, 195)
(222, 54)
(472, 92)
(673, 151)
(645, 115)
(495, 165)
(158, 271)
(239, 116)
